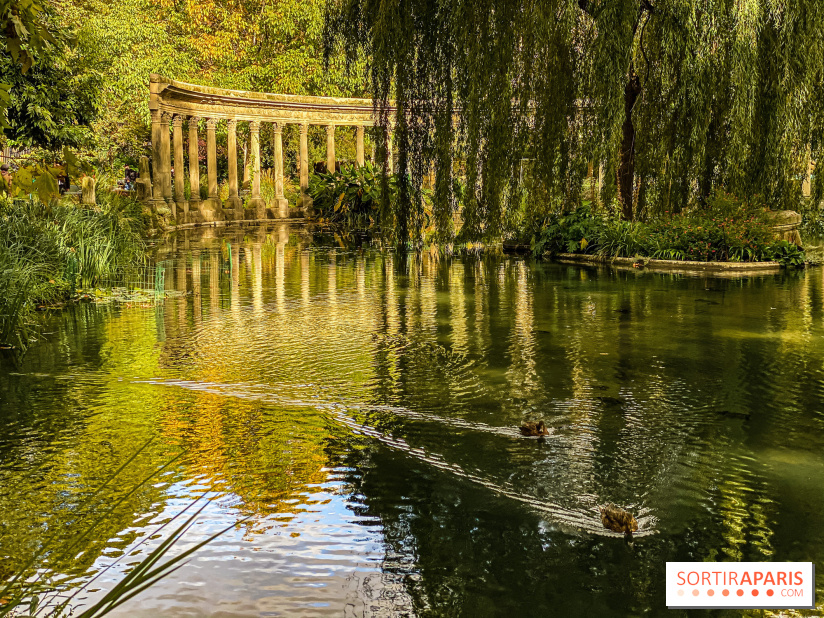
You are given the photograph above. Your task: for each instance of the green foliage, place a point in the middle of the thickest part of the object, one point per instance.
(248, 45)
(54, 102)
(575, 232)
(46, 251)
(743, 235)
(709, 238)
(352, 196)
(681, 97)
(23, 30)
(24, 33)
(787, 254)
(40, 179)
(812, 219)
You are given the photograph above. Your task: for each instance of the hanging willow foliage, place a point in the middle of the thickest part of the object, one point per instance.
(673, 98)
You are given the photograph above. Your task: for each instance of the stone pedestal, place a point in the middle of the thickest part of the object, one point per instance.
(88, 193)
(785, 225)
(143, 187)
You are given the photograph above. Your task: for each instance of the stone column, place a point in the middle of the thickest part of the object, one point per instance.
(281, 203)
(180, 176)
(234, 202)
(305, 200)
(166, 159)
(157, 167)
(255, 200)
(330, 148)
(359, 145)
(194, 165)
(390, 157)
(212, 209)
(247, 175)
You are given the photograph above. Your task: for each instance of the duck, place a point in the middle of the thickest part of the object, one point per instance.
(618, 520)
(533, 428)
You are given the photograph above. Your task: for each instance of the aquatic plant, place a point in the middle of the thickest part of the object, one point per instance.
(47, 250)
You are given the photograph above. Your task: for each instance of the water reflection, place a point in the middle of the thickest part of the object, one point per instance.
(362, 407)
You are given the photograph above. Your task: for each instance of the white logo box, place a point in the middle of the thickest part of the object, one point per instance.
(741, 585)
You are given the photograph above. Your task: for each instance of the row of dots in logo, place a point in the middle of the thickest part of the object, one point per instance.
(725, 592)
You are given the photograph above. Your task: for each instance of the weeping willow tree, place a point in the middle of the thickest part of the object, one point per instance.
(671, 99)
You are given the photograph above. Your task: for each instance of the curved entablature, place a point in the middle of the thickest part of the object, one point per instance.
(168, 95)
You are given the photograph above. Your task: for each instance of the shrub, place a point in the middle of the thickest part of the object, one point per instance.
(351, 195)
(730, 230)
(574, 232)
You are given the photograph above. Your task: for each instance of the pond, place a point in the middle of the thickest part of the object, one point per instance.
(354, 412)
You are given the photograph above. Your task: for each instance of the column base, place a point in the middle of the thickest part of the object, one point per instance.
(181, 211)
(281, 208)
(307, 205)
(258, 205)
(212, 210)
(235, 205)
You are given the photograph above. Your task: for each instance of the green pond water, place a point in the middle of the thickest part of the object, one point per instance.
(360, 409)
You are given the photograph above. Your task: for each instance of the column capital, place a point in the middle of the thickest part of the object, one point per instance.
(211, 124)
(166, 116)
(193, 120)
(304, 128)
(330, 129)
(178, 121)
(231, 124)
(254, 126)
(156, 115)
(278, 127)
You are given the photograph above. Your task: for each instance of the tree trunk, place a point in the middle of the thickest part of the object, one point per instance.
(626, 165)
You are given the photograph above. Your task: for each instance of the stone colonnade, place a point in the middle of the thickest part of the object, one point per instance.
(174, 103)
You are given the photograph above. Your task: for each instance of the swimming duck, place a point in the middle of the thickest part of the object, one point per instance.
(533, 428)
(618, 520)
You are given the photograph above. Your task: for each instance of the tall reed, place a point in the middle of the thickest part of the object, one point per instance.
(48, 250)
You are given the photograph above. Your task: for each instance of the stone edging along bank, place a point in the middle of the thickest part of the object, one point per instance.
(721, 268)
(242, 222)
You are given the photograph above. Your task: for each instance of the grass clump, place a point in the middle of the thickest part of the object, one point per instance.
(48, 250)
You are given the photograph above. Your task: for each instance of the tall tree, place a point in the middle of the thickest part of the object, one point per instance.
(674, 98)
